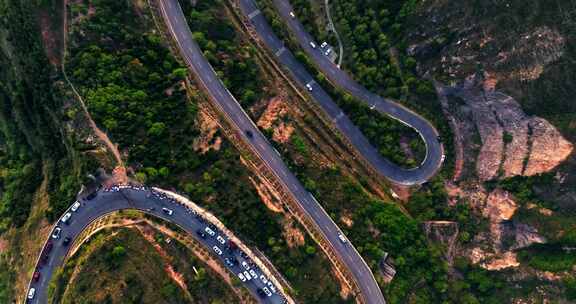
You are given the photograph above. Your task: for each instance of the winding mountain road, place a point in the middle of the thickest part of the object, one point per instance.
(434, 149)
(146, 201)
(190, 51)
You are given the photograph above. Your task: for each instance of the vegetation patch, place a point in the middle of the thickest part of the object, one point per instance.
(120, 278)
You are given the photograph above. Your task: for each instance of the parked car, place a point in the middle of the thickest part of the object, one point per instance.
(242, 277)
(210, 231)
(75, 206)
(66, 218)
(312, 44)
(271, 286)
(36, 276)
(229, 262)
(168, 211)
(292, 15)
(267, 291)
(247, 275)
(253, 273)
(217, 250)
(92, 195)
(261, 293)
(56, 233)
(324, 44)
(245, 265)
(309, 87)
(48, 247)
(249, 133)
(221, 240)
(31, 293)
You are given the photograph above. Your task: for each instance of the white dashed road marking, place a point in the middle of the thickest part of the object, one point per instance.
(254, 14)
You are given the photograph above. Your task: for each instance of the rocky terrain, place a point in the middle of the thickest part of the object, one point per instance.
(509, 141)
(502, 72)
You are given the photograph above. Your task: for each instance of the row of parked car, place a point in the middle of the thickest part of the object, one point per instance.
(224, 244)
(45, 254)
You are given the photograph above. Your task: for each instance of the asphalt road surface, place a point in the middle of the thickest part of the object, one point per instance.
(151, 203)
(434, 150)
(176, 23)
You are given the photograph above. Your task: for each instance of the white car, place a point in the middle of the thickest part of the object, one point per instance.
(75, 206)
(210, 231)
(292, 15)
(168, 211)
(253, 273)
(309, 87)
(242, 277)
(247, 275)
(31, 293)
(327, 52)
(245, 265)
(56, 233)
(324, 44)
(221, 240)
(312, 44)
(267, 291)
(263, 279)
(66, 217)
(342, 238)
(217, 250)
(271, 286)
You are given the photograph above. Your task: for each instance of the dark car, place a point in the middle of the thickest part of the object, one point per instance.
(36, 276)
(92, 195)
(201, 233)
(48, 247)
(231, 246)
(249, 134)
(261, 293)
(43, 260)
(66, 241)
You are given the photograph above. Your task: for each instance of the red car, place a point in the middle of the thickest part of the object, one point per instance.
(36, 276)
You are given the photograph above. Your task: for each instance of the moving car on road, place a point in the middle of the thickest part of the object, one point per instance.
(66, 241)
(168, 211)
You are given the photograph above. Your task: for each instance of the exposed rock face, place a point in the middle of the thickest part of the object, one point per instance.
(500, 206)
(549, 148)
(494, 249)
(512, 143)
